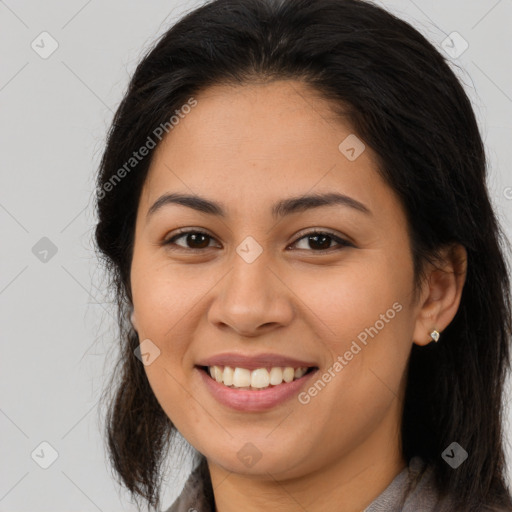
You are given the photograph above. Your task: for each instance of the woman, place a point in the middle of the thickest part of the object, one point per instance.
(309, 274)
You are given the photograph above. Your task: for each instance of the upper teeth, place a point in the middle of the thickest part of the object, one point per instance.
(259, 378)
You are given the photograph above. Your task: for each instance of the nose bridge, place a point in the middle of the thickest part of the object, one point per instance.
(249, 279)
(251, 296)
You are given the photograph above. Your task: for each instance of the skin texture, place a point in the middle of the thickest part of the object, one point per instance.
(248, 147)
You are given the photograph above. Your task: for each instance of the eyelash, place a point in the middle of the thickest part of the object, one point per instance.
(181, 233)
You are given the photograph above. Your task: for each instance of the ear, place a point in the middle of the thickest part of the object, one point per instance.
(133, 321)
(441, 293)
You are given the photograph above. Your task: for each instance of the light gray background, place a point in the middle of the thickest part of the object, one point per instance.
(56, 325)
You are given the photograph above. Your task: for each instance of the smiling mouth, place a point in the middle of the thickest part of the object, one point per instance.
(258, 379)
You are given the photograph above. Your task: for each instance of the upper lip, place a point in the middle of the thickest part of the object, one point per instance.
(253, 362)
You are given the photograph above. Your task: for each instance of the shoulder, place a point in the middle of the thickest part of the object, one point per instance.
(196, 494)
(423, 493)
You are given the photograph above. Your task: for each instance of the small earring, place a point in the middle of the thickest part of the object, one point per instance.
(435, 335)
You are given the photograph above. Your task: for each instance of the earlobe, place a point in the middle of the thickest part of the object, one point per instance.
(441, 296)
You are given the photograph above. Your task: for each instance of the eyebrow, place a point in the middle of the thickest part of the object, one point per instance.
(280, 209)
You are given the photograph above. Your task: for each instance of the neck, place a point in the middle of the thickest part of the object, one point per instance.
(350, 483)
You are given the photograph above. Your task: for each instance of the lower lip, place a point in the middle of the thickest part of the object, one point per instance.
(257, 400)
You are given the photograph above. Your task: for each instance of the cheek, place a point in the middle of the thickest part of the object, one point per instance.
(362, 321)
(345, 300)
(164, 298)
(359, 312)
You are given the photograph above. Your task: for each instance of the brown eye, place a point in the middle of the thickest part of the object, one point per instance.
(193, 240)
(321, 241)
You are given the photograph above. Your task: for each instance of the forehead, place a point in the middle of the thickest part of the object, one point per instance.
(258, 142)
(257, 121)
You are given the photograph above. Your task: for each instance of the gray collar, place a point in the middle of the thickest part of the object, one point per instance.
(413, 489)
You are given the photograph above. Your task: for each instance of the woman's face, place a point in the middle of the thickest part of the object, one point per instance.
(252, 282)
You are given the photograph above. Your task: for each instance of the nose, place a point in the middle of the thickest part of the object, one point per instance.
(252, 299)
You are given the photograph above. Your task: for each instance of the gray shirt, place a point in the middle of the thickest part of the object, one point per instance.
(412, 490)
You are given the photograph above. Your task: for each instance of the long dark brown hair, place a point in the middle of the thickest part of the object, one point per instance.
(403, 100)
